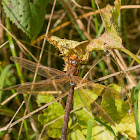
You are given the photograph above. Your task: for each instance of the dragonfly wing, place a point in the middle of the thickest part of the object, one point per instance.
(45, 87)
(93, 106)
(98, 89)
(42, 70)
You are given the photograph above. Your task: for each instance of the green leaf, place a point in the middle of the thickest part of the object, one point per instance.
(125, 121)
(62, 44)
(114, 107)
(98, 133)
(53, 111)
(126, 128)
(81, 115)
(110, 39)
(109, 106)
(26, 15)
(69, 47)
(2, 133)
(77, 135)
(108, 128)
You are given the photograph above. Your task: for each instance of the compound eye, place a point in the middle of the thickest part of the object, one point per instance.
(74, 62)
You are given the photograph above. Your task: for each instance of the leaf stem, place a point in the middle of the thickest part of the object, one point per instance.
(130, 54)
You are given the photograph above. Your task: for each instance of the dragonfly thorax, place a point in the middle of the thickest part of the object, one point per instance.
(73, 65)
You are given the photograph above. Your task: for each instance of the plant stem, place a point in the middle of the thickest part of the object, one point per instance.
(95, 16)
(13, 51)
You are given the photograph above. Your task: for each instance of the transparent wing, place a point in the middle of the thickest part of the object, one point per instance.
(93, 106)
(97, 89)
(42, 70)
(45, 87)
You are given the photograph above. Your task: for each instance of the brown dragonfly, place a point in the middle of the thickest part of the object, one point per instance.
(59, 82)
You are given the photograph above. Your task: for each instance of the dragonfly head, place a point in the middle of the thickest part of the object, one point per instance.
(73, 65)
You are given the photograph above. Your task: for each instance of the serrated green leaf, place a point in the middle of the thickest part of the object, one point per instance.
(50, 113)
(53, 111)
(26, 15)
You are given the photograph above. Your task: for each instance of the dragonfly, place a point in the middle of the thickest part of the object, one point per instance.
(59, 82)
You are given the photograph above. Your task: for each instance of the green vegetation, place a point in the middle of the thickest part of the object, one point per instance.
(22, 33)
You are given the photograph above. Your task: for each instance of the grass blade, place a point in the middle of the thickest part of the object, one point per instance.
(89, 130)
(136, 96)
